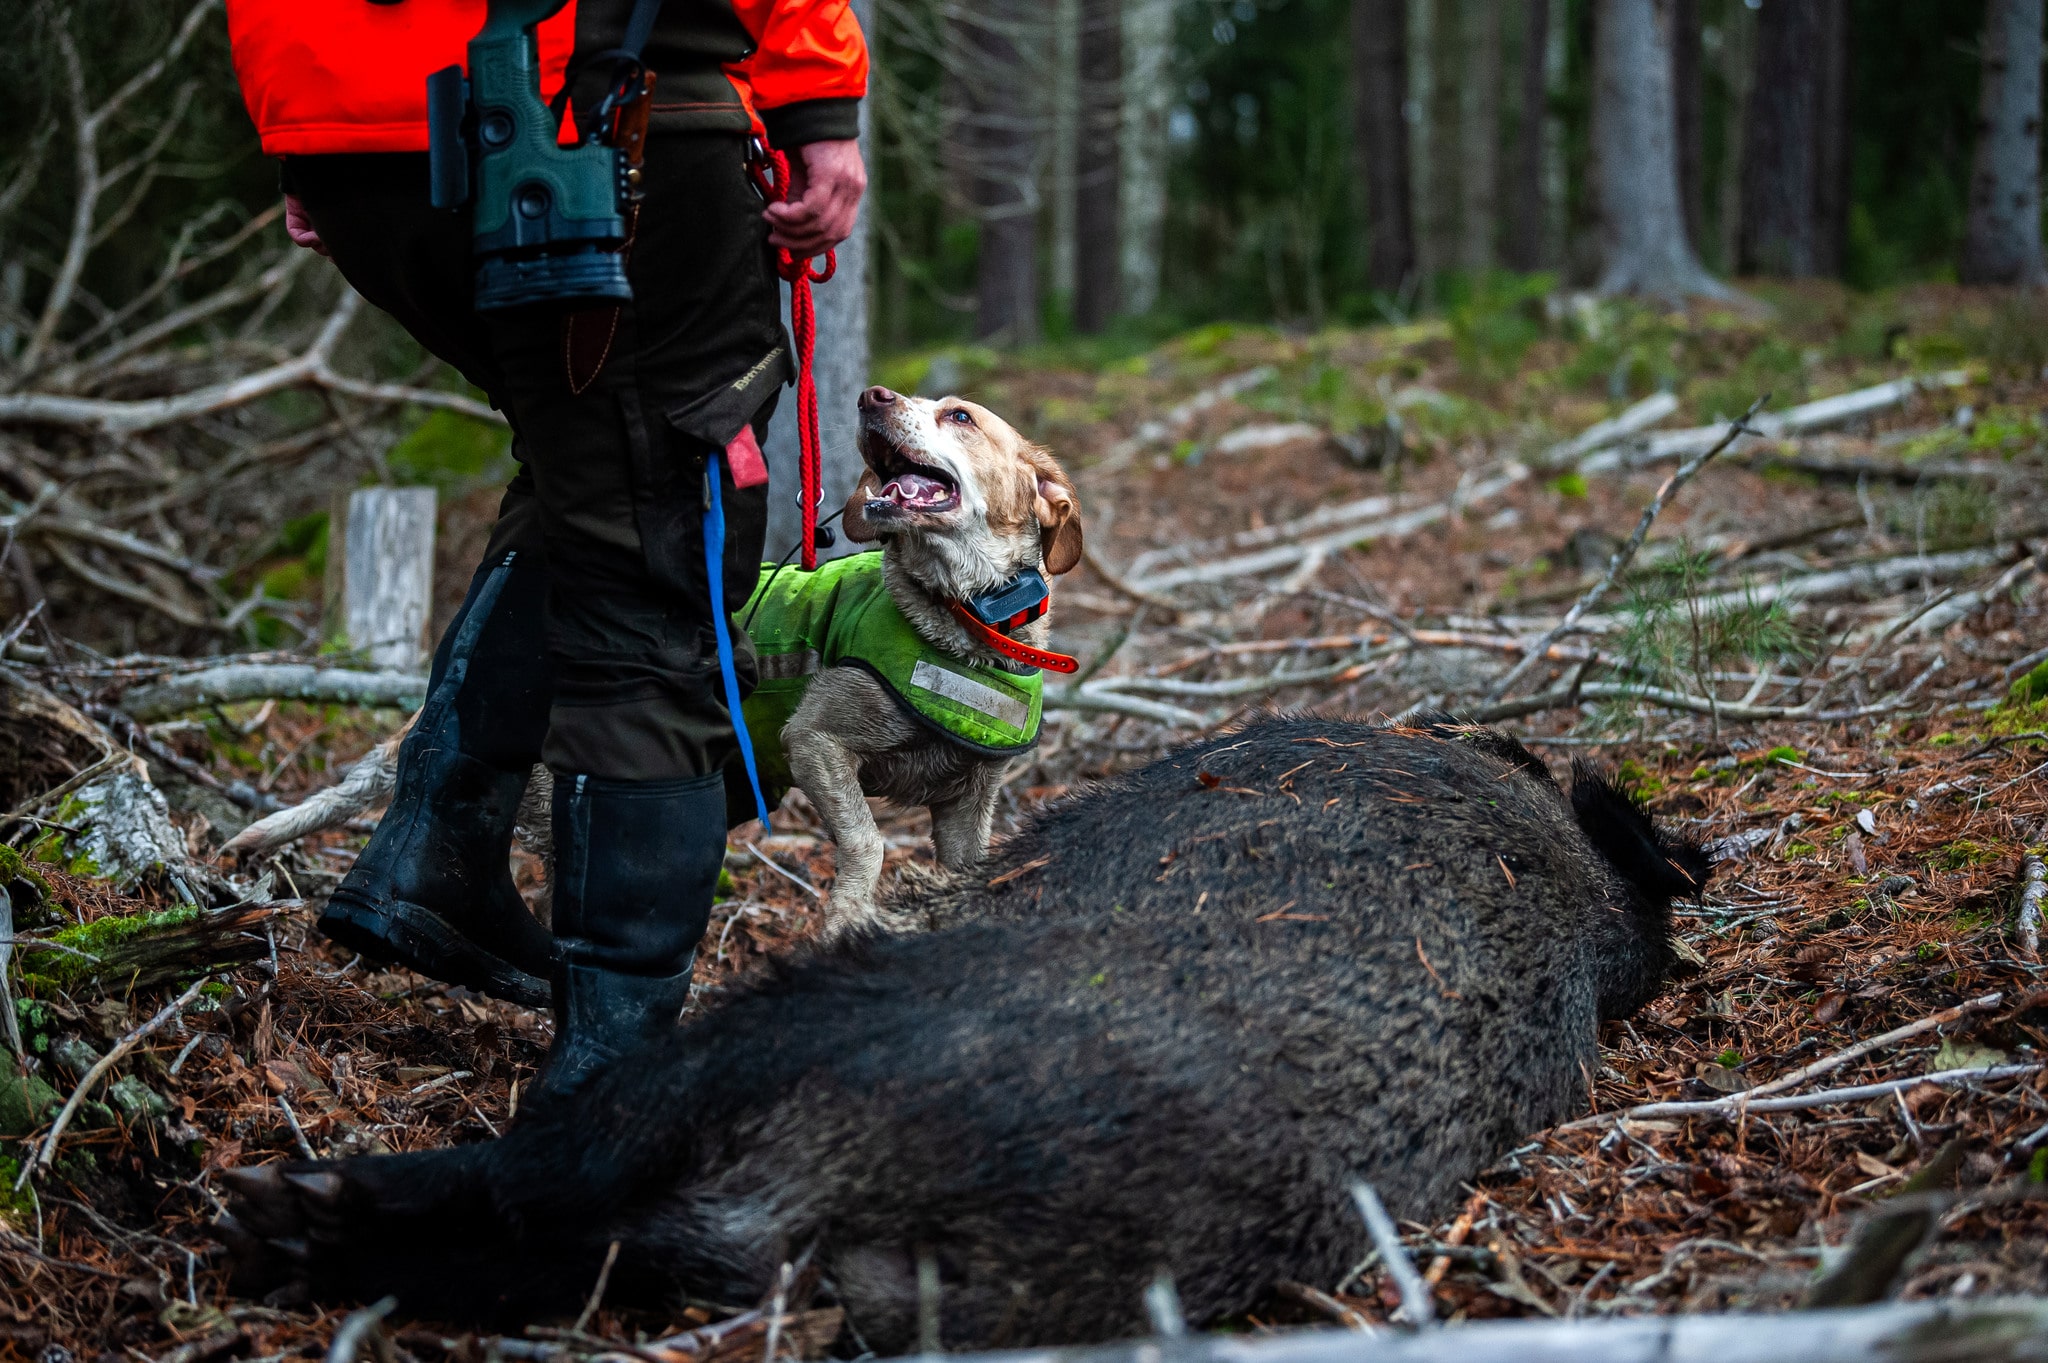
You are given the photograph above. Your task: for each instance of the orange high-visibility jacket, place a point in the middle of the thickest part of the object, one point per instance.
(351, 75)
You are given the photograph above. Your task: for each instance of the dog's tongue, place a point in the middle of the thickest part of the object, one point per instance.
(914, 489)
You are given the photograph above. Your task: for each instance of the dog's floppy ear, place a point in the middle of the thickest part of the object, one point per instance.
(1058, 512)
(851, 520)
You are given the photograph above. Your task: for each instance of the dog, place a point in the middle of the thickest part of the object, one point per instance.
(963, 506)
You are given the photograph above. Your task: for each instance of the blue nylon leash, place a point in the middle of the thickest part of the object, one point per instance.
(714, 572)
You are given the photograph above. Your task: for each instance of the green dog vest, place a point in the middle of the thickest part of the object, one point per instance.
(843, 616)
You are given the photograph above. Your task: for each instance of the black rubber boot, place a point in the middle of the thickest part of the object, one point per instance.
(433, 890)
(636, 867)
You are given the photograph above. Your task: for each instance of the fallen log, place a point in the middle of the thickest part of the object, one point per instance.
(1953, 1331)
(1285, 555)
(1634, 421)
(239, 682)
(1812, 416)
(143, 951)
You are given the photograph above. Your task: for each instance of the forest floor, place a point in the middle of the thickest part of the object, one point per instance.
(1823, 662)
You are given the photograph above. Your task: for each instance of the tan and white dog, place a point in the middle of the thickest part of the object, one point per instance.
(961, 503)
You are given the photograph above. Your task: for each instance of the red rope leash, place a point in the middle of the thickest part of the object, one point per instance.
(773, 179)
(1013, 649)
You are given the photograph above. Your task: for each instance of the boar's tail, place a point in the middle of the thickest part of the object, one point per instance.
(1661, 865)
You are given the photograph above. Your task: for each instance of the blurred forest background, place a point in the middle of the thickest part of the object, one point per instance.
(1056, 183)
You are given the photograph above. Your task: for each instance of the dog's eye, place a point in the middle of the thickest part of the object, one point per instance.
(960, 415)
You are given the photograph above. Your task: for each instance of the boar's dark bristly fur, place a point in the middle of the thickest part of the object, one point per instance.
(1165, 1027)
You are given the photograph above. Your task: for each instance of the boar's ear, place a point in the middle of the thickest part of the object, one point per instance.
(1661, 867)
(857, 526)
(1057, 510)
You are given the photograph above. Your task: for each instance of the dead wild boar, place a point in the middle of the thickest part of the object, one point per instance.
(1164, 1028)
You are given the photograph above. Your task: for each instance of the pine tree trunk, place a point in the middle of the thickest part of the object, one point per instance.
(1096, 272)
(1147, 96)
(1634, 146)
(1687, 92)
(1066, 139)
(1004, 46)
(1423, 167)
(842, 368)
(1478, 133)
(1831, 143)
(1793, 153)
(1738, 74)
(2002, 239)
(1447, 168)
(1526, 216)
(1379, 83)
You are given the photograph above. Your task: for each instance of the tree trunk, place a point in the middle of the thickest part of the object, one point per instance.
(1634, 146)
(841, 362)
(1738, 74)
(2002, 240)
(1447, 173)
(1003, 46)
(1478, 133)
(1686, 93)
(388, 583)
(1526, 217)
(1794, 153)
(1423, 168)
(1096, 273)
(1066, 136)
(1831, 143)
(1147, 96)
(1379, 83)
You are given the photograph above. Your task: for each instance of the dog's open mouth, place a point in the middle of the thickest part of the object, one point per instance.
(907, 484)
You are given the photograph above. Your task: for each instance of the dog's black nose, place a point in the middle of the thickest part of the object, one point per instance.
(877, 396)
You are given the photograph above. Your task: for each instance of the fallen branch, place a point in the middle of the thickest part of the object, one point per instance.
(1182, 415)
(112, 416)
(1416, 1305)
(1246, 565)
(1956, 1330)
(2034, 885)
(98, 1072)
(1093, 698)
(1982, 1004)
(1624, 554)
(1634, 421)
(240, 682)
(1811, 416)
(1568, 694)
(1736, 1104)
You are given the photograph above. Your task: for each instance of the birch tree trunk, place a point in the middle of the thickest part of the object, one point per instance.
(1147, 97)
(1634, 146)
(1096, 171)
(1526, 216)
(2002, 239)
(1478, 133)
(841, 362)
(1379, 84)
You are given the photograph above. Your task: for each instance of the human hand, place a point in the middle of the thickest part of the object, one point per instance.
(300, 228)
(826, 181)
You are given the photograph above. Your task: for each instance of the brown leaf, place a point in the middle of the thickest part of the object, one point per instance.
(1873, 1166)
(1722, 1079)
(1830, 1006)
